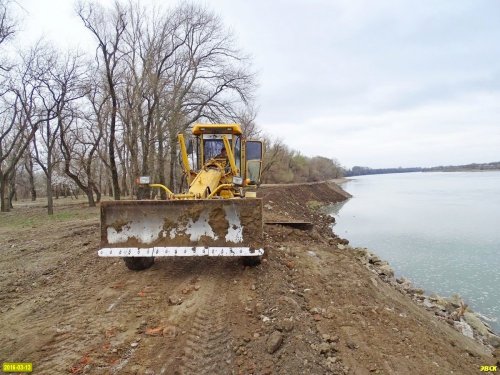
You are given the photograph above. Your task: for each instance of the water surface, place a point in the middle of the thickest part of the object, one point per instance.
(440, 230)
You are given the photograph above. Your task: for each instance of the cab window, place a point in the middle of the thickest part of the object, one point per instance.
(212, 148)
(254, 161)
(237, 153)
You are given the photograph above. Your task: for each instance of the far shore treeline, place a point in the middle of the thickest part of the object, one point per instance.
(474, 167)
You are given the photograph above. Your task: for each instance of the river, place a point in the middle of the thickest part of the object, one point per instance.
(440, 230)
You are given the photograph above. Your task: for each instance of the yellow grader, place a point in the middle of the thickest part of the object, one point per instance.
(218, 215)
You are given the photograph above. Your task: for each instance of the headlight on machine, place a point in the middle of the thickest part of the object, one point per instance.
(144, 180)
(237, 180)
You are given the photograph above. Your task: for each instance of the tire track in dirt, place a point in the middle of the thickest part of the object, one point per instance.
(139, 300)
(208, 346)
(74, 319)
(45, 269)
(159, 312)
(167, 351)
(52, 322)
(88, 333)
(66, 318)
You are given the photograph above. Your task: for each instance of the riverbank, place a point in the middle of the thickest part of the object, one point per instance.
(436, 229)
(451, 311)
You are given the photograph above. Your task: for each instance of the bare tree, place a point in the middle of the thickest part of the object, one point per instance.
(79, 145)
(209, 79)
(108, 28)
(179, 66)
(7, 31)
(81, 133)
(151, 50)
(21, 114)
(45, 139)
(61, 85)
(138, 106)
(246, 117)
(8, 106)
(275, 158)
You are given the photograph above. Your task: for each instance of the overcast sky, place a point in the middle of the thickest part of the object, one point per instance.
(381, 83)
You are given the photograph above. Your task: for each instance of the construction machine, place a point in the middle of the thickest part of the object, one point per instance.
(218, 214)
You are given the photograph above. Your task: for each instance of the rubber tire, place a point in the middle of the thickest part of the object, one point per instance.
(252, 261)
(138, 263)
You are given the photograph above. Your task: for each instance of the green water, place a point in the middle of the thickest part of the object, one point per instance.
(440, 230)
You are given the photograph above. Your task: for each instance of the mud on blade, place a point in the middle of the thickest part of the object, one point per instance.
(225, 227)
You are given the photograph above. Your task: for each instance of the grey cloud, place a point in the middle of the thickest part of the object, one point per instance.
(363, 80)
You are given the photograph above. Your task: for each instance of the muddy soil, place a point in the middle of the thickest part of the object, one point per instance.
(309, 308)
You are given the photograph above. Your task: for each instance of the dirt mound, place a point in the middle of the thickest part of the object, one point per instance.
(299, 201)
(311, 307)
(302, 203)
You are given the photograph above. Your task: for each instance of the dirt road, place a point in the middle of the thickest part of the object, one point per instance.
(309, 308)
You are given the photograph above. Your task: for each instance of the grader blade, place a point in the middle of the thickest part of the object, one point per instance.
(212, 227)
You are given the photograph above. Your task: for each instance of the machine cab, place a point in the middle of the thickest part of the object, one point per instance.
(210, 145)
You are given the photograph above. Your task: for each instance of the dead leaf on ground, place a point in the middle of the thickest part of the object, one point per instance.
(78, 368)
(154, 331)
(120, 285)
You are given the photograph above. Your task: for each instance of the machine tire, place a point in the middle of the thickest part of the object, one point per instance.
(138, 263)
(252, 261)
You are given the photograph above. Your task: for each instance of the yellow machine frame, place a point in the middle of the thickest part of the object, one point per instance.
(216, 178)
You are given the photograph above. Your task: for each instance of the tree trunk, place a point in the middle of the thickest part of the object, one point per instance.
(50, 201)
(124, 188)
(12, 188)
(112, 131)
(90, 197)
(48, 172)
(31, 178)
(161, 162)
(3, 185)
(123, 161)
(33, 190)
(112, 162)
(133, 168)
(97, 194)
(171, 172)
(12, 194)
(131, 181)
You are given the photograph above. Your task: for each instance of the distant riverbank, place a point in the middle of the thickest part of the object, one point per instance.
(473, 167)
